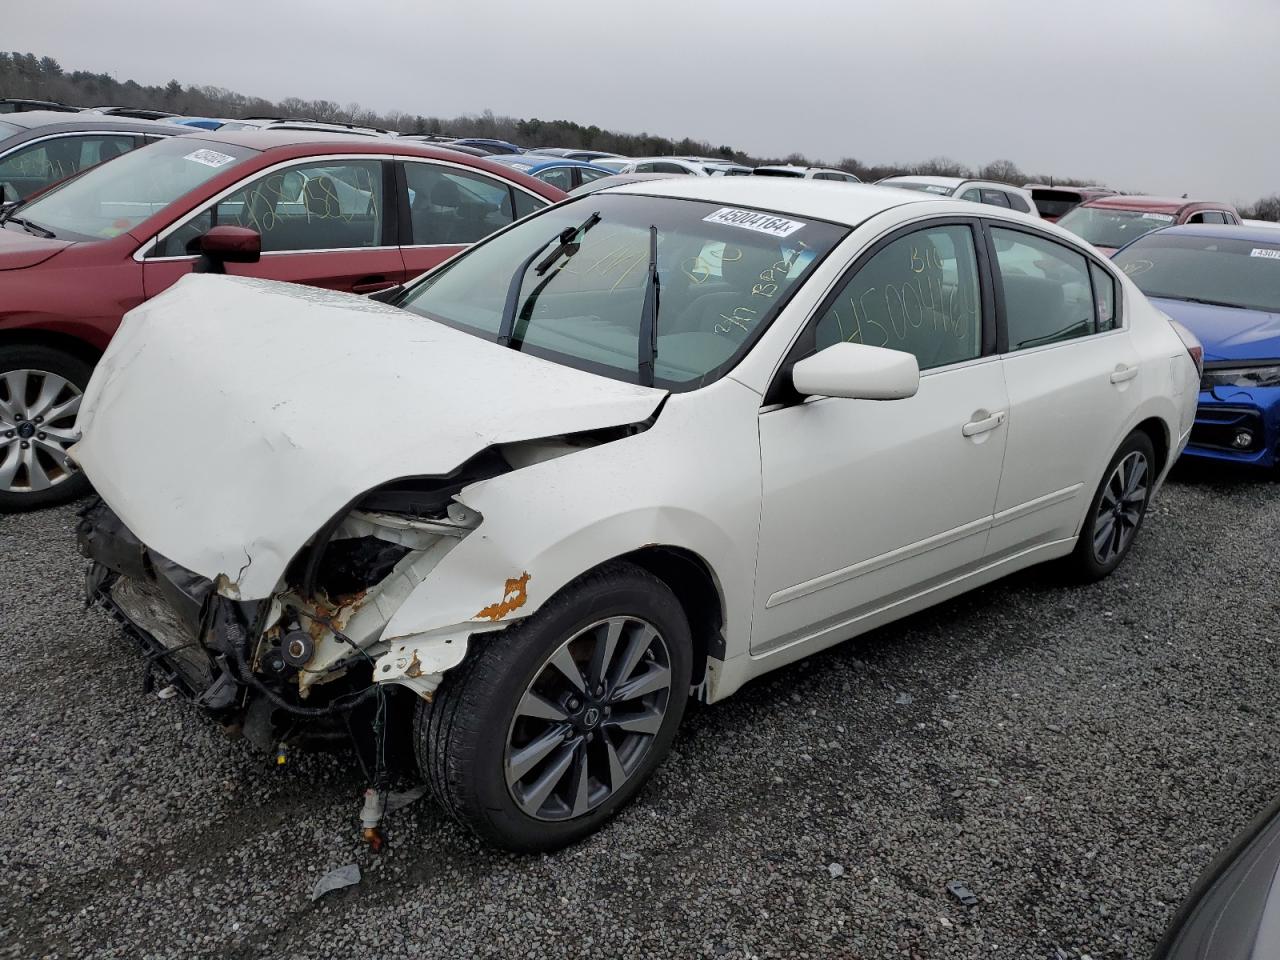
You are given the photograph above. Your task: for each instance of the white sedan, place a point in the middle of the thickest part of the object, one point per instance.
(644, 445)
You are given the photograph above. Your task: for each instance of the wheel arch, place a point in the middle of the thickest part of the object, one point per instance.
(1157, 432)
(65, 342)
(694, 583)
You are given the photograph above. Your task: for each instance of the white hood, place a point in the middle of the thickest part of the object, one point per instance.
(230, 417)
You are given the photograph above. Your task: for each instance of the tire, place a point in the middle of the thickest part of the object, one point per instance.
(474, 737)
(35, 475)
(1088, 562)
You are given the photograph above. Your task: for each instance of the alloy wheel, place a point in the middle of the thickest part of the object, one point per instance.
(1120, 507)
(588, 719)
(37, 425)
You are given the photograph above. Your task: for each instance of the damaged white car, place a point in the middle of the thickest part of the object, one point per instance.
(644, 445)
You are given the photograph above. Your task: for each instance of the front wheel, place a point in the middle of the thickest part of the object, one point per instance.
(40, 391)
(547, 730)
(1117, 509)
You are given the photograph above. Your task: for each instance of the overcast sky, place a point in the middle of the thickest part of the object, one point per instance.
(1170, 96)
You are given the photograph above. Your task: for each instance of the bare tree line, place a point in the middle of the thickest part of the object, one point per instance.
(43, 78)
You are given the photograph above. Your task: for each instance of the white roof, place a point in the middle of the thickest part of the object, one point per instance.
(932, 181)
(839, 202)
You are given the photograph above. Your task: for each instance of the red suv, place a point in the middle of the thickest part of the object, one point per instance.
(1111, 222)
(350, 213)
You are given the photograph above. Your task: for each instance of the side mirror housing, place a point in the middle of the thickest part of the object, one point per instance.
(857, 372)
(227, 244)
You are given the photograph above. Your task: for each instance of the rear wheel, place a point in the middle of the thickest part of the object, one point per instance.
(1117, 509)
(40, 392)
(546, 731)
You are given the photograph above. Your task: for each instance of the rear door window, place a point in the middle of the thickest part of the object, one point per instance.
(997, 198)
(1048, 293)
(451, 206)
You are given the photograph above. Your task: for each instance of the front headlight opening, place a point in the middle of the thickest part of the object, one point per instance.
(1246, 377)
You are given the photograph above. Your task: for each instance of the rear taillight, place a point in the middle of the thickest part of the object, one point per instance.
(1194, 349)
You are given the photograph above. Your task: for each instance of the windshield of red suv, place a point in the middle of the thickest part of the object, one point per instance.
(118, 195)
(1107, 227)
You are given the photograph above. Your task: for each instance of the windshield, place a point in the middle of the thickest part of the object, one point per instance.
(723, 273)
(117, 196)
(1055, 203)
(1105, 227)
(1236, 273)
(8, 129)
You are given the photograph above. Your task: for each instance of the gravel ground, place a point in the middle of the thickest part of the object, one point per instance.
(1075, 755)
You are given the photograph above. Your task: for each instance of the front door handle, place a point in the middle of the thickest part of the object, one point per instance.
(975, 427)
(372, 285)
(1123, 373)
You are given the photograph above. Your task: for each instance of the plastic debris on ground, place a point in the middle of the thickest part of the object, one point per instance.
(347, 875)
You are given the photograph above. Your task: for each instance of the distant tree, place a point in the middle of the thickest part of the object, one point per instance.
(1268, 208)
(1002, 171)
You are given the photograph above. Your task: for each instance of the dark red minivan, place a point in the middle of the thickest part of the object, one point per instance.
(350, 213)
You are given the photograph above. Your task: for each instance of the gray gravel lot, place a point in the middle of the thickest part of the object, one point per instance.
(1075, 755)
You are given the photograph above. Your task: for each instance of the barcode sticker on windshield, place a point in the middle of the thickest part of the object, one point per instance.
(1269, 253)
(754, 220)
(210, 158)
(1162, 217)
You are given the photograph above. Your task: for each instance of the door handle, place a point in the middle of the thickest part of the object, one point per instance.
(975, 427)
(372, 285)
(1122, 373)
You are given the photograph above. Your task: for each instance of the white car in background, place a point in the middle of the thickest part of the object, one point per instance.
(977, 191)
(644, 445)
(805, 173)
(694, 166)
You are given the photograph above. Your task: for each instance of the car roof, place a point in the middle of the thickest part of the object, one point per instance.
(537, 162)
(47, 120)
(1146, 203)
(267, 138)
(323, 141)
(932, 181)
(1223, 231)
(846, 203)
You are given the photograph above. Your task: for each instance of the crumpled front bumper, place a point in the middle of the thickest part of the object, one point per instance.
(190, 636)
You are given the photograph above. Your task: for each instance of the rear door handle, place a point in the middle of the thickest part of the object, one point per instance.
(975, 427)
(1122, 373)
(372, 285)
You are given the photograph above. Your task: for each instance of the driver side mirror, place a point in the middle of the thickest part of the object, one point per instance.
(8, 194)
(857, 372)
(227, 244)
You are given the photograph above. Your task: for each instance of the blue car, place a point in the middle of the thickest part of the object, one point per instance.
(1223, 284)
(557, 171)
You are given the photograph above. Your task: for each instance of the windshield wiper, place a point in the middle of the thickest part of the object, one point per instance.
(648, 346)
(1207, 303)
(32, 228)
(506, 327)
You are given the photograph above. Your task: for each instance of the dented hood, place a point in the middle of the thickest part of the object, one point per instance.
(231, 418)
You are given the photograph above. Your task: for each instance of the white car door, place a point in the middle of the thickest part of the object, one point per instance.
(1073, 379)
(865, 502)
